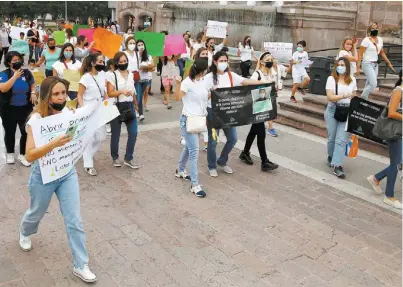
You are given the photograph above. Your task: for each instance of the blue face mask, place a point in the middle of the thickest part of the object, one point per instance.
(300, 49)
(341, 70)
(68, 55)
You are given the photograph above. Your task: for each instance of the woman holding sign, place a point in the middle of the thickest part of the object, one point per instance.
(92, 90)
(52, 100)
(67, 61)
(221, 77)
(340, 88)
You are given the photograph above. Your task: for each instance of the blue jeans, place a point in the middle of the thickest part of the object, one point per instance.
(395, 157)
(232, 138)
(181, 65)
(116, 126)
(371, 72)
(190, 152)
(140, 89)
(337, 137)
(68, 193)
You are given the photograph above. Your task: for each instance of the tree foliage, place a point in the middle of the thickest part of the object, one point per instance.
(38, 9)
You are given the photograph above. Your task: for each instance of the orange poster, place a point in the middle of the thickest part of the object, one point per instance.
(68, 26)
(107, 42)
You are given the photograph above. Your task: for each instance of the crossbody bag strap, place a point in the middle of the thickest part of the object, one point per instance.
(138, 64)
(98, 87)
(65, 65)
(230, 79)
(116, 86)
(337, 88)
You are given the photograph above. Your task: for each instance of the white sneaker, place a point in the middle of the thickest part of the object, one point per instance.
(227, 169)
(198, 191)
(108, 129)
(25, 242)
(10, 158)
(374, 185)
(85, 274)
(23, 160)
(183, 141)
(394, 202)
(213, 172)
(142, 118)
(182, 174)
(137, 114)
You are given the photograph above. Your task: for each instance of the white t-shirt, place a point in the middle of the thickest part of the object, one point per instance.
(146, 75)
(123, 84)
(269, 78)
(196, 97)
(246, 53)
(34, 117)
(341, 89)
(298, 70)
(133, 61)
(72, 40)
(370, 54)
(92, 92)
(223, 81)
(60, 67)
(187, 54)
(210, 55)
(353, 65)
(197, 46)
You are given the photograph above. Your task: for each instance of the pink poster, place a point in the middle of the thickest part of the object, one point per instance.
(87, 32)
(174, 45)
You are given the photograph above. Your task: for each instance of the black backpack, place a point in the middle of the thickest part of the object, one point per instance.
(5, 98)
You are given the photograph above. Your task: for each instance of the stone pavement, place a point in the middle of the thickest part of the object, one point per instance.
(144, 228)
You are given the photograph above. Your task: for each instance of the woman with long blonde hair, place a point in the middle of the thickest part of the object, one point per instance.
(53, 97)
(348, 50)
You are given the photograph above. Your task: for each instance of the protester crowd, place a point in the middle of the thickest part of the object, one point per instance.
(126, 80)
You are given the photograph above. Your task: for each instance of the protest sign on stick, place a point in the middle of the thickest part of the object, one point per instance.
(216, 29)
(243, 105)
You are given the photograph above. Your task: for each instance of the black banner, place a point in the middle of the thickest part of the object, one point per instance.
(362, 118)
(243, 105)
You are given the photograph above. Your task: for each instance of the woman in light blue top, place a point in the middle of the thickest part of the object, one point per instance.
(49, 56)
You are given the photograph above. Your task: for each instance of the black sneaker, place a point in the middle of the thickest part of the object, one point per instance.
(293, 99)
(329, 161)
(245, 157)
(182, 174)
(338, 171)
(268, 165)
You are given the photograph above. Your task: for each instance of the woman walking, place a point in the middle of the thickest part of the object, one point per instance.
(120, 85)
(395, 151)
(92, 90)
(145, 67)
(168, 74)
(267, 74)
(349, 51)
(18, 96)
(52, 100)
(340, 88)
(221, 77)
(70, 38)
(370, 49)
(34, 42)
(49, 56)
(4, 43)
(194, 95)
(246, 51)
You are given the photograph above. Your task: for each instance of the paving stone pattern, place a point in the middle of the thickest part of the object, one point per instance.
(145, 229)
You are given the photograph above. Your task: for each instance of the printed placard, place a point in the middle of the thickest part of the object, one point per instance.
(216, 29)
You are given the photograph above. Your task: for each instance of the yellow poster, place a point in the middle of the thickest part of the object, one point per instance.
(38, 77)
(73, 76)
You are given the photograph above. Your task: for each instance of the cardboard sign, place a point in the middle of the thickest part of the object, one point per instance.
(243, 105)
(38, 77)
(78, 27)
(174, 45)
(15, 32)
(59, 37)
(73, 76)
(216, 29)
(279, 51)
(20, 46)
(88, 33)
(107, 42)
(188, 65)
(154, 42)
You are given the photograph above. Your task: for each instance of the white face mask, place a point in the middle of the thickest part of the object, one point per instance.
(40, 28)
(141, 48)
(131, 47)
(169, 57)
(222, 66)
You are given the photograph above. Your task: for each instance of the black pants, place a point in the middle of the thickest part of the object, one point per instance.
(48, 73)
(3, 51)
(260, 131)
(12, 116)
(245, 67)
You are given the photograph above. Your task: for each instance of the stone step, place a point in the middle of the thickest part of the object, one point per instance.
(303, 109)
(386, 88)
(377, 96)
(318, 127)
(321, 101)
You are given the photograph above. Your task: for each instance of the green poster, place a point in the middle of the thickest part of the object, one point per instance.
(60, 37)
(21, 46)
(76, 27)
(154, 42)
(188, 64)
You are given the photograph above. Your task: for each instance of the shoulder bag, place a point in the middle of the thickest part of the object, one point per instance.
(387, 128)
(341, 113)
(125, 108)
(196, 124)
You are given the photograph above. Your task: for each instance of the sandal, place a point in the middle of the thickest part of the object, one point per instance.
(91, 171)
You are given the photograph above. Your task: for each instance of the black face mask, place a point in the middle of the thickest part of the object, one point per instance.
(100, 67)
(123, 67)
(51, 47)
(374, 33)
(17, 65)
(86, 44)
(57, 107)
(268, 64)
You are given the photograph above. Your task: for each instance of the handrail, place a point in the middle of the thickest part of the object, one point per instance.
(338, 48)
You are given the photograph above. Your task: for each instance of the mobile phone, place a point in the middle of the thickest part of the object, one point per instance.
(71, 130)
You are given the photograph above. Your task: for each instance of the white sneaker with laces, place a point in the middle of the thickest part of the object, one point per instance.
(23, 160)
(394, 202)
(198, 191)
(182, 174)
(25, 242)
(85, 274)
(137, 114)
(374, 185)
(213, 172)
(142, 118)
(227, 169)
(10, 158)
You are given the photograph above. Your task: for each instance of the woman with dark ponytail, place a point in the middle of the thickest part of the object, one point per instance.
(221, 77)
(194, 95)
